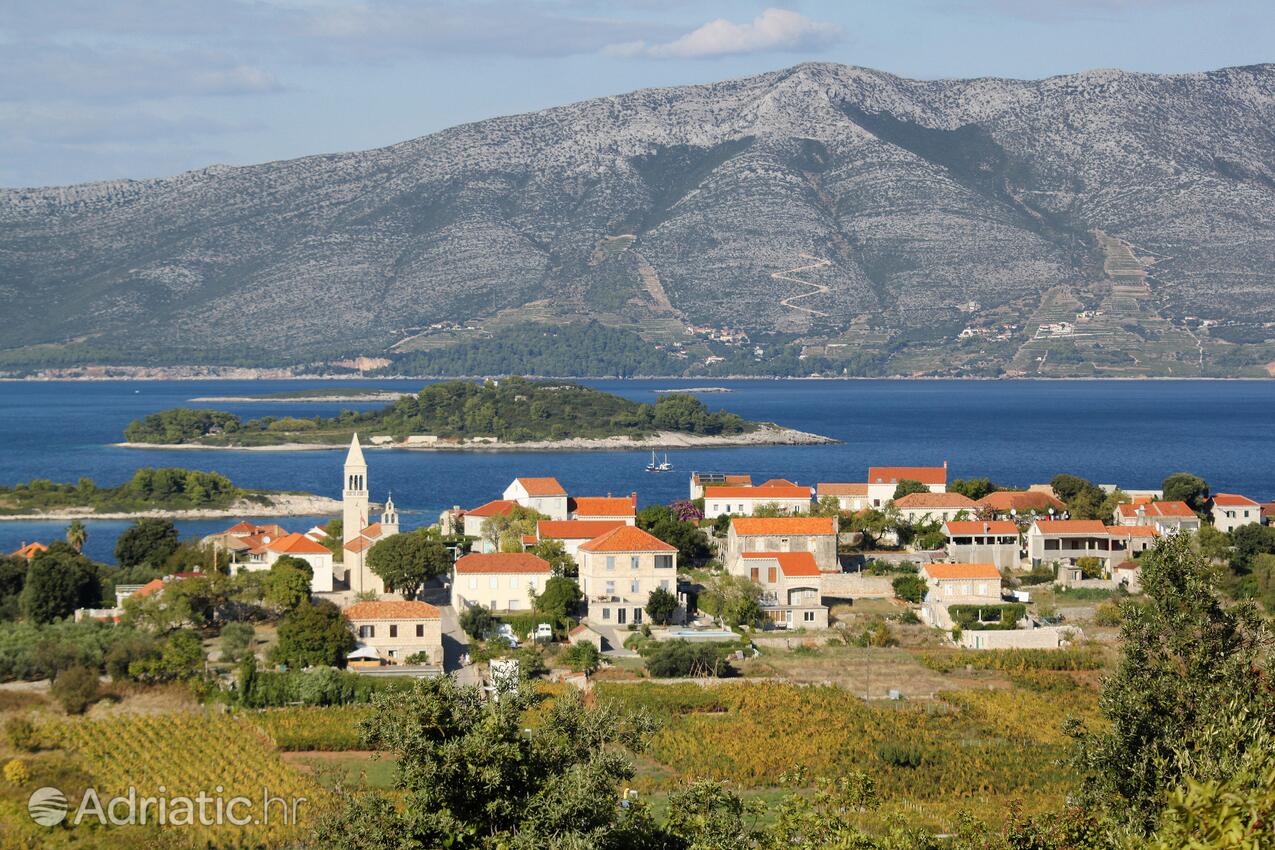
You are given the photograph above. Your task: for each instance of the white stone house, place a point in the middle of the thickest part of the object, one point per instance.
(934, 507)
(849, 496)
(574, 532)
(791, 584)
(503, 581)
(545, 495)
(1168, 517)
(1230, 511)
(398, 630)
(620, 569)
(957, 584)
(817, 535)
(700, 480)
(744, 501)
(884, 480)
(600, 508)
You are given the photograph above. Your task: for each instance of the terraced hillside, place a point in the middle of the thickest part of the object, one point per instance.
(944, 217)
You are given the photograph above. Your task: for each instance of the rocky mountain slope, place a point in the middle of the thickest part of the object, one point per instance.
(810, 202)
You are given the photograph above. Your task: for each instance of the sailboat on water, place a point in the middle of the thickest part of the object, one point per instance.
(659, 466)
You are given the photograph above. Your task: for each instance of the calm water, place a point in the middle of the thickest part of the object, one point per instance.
(1021, 432)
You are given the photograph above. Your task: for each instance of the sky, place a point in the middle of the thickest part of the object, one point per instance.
(108, 89)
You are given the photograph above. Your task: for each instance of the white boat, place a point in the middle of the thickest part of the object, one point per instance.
(658, 466)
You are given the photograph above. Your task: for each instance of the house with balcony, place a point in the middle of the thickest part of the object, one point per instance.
(994, 541)
(1024, 504)
(934, 507)
(789, 498)
(545, 495)
(884, 480)
(958, 584)
(791, 585)
(502, 581)
(1167, 517)
(816, 535)
(1230, 511)
(396, 631)
(1065, 541)
(620, 569)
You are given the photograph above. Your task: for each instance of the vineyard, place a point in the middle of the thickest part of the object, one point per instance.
(185, 753)
(969, 749)
(312, 728)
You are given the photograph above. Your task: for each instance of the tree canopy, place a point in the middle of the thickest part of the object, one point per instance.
(314, 634)
(1185, 487)
(58, 581)
(406, 561)
(148, 541)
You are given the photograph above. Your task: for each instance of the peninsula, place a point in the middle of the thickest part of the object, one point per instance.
(165, 492)
(513, 413)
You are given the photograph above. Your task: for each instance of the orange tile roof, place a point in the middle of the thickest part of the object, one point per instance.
(297, 544)
(946, 571)
(399, 610)
(1071, 526)
(960, 528)
(1004, 501)
(30, 550)
(243, 528)
(1233, 500)
(793, 564)
(496, 507)
(502, 562)
(153, 586)
(603, 506)
(542, 486)
(1155, 509)
(840, 489)
(575, 529)
(358, 544)
(753, 526)
(778, 482)
(627, 538)
(915, 501)
(762, 493)
(373, 530)
(895, 474)
(1133, 531)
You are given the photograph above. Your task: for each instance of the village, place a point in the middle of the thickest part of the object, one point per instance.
(969, 569)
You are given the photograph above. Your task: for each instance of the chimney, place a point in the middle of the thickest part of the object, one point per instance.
(633, 499)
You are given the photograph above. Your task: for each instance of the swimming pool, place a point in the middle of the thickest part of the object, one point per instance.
(715, 635)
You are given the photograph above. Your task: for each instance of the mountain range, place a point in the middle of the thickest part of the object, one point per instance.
(1100, 223)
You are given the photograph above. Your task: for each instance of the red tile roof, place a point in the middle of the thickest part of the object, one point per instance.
(793, 564)
(575, 529)
(358, 544)
(496, 507)
(895, 474)
(155, 585)
(839, 489)
(1232, 500)
(1156, 509)
(778, 482)
(542, 486)
(1133, 531)
(627, 538)
(1004, 501)
(1071, 526)
(502, 562)
(762, 493)
(30, 550)
(587, 506)
(961, 528)
(959, 571)
(373, 530)
(297, 544)
(920, 501)
(783, 526)
(401, 610)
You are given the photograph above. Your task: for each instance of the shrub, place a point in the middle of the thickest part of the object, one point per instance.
(583, 657)
(121, 656)
(16, 772)
(1107, 614)
(899, 755)
(21, 734)
(909, 588)
(987, 617)
(676, 658)
(476, 621)
(236, 641)
(76, 689)
(421, 657)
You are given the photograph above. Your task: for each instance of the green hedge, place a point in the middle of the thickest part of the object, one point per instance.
(1001, 617)
(321, 686)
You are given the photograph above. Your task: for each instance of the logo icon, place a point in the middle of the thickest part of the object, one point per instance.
(47, 806)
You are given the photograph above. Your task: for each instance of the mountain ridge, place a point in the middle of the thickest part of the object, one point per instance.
(689, 205)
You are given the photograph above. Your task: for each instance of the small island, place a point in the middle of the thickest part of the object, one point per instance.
(512, 413)
(328, 395)
(165, 492)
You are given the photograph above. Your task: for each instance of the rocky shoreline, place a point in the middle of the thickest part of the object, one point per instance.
(281, 505)
(766, 435)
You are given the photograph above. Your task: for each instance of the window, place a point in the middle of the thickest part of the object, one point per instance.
(394, 630)
(635, 586)
(663, 584)
(494, 582)
(621, 615)
(610, 588)
(513, 582)
(393, 653)
(808, 616)
(637, 615)
(772, 575)
(473, 582)
(755, 573)
(664, 562)
(610, 563)
(367, 631)
(606, 613)
(633, 562)
(420, 630)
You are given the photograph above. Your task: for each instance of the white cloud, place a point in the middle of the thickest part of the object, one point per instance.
(773, 31)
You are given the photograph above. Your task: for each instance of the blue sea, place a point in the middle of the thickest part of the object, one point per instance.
(1015, 432)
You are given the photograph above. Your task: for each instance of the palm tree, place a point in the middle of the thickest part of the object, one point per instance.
(77, 535)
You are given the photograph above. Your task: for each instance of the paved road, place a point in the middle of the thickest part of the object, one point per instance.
(455, 641)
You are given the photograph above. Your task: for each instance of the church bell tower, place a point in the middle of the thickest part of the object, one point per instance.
(354, 500)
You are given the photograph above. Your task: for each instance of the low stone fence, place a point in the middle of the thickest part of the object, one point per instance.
(856, 586)
(1049, 637)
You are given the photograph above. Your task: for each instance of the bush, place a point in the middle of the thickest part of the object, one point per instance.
(476, 621)
(987, 617)
(21, 734)
(236, 641)
(672, 659)
(421, 657)
(899, 755)
(909, 588)
(76, 689)
(16, 772)
(136, 647)
(321, 686)
(583, 657)
(1108, 614)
